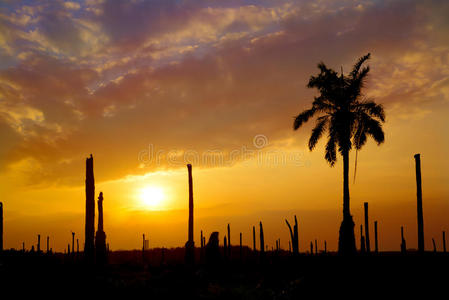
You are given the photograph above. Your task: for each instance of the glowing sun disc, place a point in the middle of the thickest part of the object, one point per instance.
(152, 197)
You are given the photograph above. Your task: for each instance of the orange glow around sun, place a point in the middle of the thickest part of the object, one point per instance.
(152, 197)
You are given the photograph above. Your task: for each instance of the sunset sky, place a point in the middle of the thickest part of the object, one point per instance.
(149, 86)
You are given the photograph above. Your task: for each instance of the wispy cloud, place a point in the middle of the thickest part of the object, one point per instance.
(110, 77)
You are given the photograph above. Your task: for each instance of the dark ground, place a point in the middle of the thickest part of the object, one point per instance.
(278, 276)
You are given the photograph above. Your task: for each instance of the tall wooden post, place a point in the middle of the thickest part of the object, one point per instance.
(368, 248)
(419, 204)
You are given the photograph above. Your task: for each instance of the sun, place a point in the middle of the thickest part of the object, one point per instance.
(152, 197)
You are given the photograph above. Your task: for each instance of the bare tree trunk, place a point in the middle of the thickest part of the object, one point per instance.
(1, 226)
(376, 243)
(100, 237)
(89, 234)
(362, 240)
(403, 243)
(254, 238)
(419, 204)
(444, 241)
(73, 242)
(368, 248)
(241, 246)
(190, 245)
(229, 241)
(262, 240)
(294, 236)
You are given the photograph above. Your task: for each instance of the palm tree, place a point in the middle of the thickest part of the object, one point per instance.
(348, 118)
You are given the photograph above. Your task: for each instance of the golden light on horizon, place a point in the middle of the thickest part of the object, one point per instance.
(215, 86)
(152, 197)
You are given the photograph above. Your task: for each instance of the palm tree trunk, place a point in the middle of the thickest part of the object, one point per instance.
(346, 211)
(346, 242)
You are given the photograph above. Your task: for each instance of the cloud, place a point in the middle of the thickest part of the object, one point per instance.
(72, 5)
(111, 77)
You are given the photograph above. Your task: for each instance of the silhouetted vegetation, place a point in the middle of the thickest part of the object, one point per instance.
(403, 243)
(214, 272)
(294, 236)
(254, 238)
(419, 204)
(100, 236)
(89, 236)
(229, 241)
(349, 119)
(190, 244)
(368, 248)
(1, 226)
(444, 241)
(362, 241)
(376, 241)
(262, 240)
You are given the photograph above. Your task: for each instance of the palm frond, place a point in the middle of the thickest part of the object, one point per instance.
(358, 64)
(317, 131)
(325, 79)
(360, 79)
(303, 118)
(372, 109)
(348, 118)
(375, 131)
(323, 104)
(331, 151)
(359, 138)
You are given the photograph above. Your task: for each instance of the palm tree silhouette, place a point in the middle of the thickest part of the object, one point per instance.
(348, 117)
